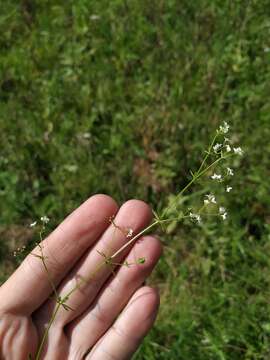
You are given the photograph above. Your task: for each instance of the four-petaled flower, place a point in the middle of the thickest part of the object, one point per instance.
(217, 147)
(238, 151)
(44, 219)
(230, 171)
(228, 148)
(224, 128)
(216, 177)
(223, 212)
(195, 217)
(210, 198)
(224, 216)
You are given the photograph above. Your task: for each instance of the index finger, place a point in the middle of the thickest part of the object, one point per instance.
(30, 286)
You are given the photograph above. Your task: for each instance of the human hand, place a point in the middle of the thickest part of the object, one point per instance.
(72, 251)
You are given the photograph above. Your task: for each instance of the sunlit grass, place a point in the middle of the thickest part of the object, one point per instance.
(122, 99)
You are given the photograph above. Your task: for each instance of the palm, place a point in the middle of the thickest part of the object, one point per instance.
(92, 327)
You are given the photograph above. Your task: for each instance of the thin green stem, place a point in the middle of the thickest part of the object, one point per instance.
(45, 265)
(195, 177)
(104, 263)
(208, 153)
(45, 335)
(214, 163)
(134, 238)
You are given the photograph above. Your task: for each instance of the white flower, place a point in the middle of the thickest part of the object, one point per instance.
(181, 126)
(45, 219)
(238, 151)
(33, 224)
(223, 213)
(216, 177)
(224, 128)
(210, 198)
(228, 148)
(94, 17)
(224, 216)
(86, 135)
(222, 210)
(230, 171)
(129, 233)
(195, 217)
(217, 147)
(228, 189)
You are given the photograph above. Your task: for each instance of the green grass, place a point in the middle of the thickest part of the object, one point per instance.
(125, 102)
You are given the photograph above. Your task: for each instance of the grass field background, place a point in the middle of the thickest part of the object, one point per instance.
(123, 97)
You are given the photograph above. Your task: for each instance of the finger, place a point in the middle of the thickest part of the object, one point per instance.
(29, 286)
(88, 328)
(133, 214)
(123, 338)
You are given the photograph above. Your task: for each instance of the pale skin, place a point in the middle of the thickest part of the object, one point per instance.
(111, 313)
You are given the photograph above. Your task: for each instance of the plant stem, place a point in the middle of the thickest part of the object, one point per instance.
(196, 176)
(103, 263)
(134, 238)
(208, 153)
(45, 335)
(113, 256)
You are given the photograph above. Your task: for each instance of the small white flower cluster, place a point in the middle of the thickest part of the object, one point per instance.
(219, 148)
(216, 177)
(228, 148)
(223, 212)
(230, 172)
(196, 217)
(19, 250)
(210, 198)
(238, 151)
(219, 177)
(44, 219)
(223, 129)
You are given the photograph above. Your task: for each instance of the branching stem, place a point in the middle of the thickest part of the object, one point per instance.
(108, 259)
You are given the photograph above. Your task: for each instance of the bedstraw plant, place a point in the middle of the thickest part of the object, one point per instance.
(215, 165)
